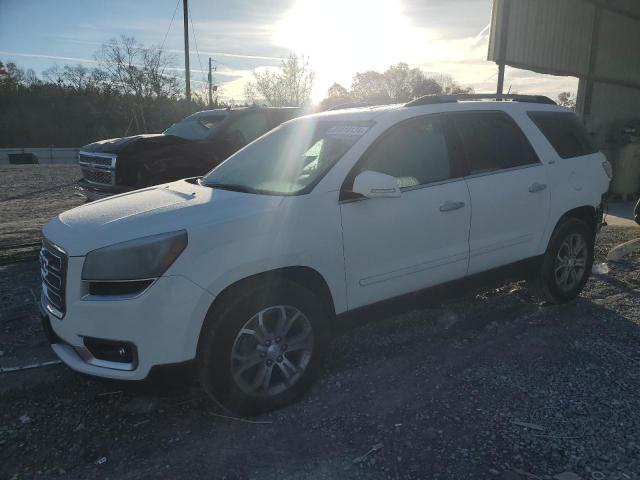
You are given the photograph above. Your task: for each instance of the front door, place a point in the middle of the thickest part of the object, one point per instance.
(394, 246)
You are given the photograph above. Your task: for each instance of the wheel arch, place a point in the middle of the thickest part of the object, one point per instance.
(586, 213)
(306, 277)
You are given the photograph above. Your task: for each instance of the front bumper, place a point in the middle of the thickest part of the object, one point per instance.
(163, 324)
(96, 192)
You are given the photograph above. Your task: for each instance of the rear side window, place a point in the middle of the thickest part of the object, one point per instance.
(492, 141)
(278, 116)
(249, 126)
(565, 132)
(415, 152)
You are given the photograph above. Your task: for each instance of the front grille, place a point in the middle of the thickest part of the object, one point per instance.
(95, 160)
(53, 272)
(97, 176)
(98, 168)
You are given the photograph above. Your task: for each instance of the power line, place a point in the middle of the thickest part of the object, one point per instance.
(170, 23)
(195, 41)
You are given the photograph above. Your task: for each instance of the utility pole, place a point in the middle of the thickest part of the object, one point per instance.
(210, 79)
(212, 87)
(187, 73)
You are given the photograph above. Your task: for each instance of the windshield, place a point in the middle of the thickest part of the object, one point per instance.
(196, 127)
(288, 159)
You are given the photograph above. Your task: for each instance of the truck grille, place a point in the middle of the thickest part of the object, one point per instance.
(97, 176)
(53, 272)
(98, 168)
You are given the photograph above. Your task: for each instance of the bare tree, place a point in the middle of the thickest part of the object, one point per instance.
(250, 93)
(448, 84)
(138, 71)
(290, 86)
(53, 74)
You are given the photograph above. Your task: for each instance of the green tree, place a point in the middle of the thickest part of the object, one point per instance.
(370, 87)
(336, 95)
(398, 84)
(404, 84)
(567, 99)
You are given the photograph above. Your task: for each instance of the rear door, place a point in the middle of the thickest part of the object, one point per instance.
(508, 188)
(394, 246)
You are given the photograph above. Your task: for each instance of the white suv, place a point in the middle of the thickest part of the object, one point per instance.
(241, 272)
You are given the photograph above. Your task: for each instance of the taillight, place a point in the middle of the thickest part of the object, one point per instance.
(607, 169)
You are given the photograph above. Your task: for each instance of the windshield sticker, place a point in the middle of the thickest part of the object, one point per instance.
(347, 130)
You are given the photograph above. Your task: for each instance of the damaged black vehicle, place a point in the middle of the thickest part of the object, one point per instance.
(188, 148)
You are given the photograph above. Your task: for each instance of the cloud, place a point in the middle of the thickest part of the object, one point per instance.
(51, 57)
(340, 37)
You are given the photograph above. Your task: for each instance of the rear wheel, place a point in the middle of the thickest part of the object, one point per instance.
(567, 262)
(263, 349)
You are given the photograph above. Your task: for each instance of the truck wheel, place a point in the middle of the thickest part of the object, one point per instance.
(567, 262)
(262, 348)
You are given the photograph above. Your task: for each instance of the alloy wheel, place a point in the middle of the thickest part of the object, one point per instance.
(570, 262)
(272, 351)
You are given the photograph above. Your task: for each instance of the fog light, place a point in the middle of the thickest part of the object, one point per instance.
(111, 350)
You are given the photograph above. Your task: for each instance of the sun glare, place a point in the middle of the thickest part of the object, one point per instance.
(341, 37)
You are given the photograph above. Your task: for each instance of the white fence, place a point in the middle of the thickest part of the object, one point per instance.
(45, 155)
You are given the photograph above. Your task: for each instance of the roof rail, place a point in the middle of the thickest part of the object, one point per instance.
(435, 99)
(343, 106)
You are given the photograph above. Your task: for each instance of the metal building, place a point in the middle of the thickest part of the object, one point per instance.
(597, 41)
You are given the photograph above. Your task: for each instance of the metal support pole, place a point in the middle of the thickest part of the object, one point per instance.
(585, 100)
(504, 31)
(500, 88)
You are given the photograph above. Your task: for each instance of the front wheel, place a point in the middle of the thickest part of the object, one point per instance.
(262, 349)
(567, 262)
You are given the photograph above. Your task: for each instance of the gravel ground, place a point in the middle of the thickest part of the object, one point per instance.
(31, 195)
(486, 384)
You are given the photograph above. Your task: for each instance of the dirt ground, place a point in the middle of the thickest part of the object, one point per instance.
(29, 196)
(484, 384)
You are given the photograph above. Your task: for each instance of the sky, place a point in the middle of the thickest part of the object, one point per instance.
(339, 38)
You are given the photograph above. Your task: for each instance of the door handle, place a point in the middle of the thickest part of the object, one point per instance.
(450, 206)
(537, 187)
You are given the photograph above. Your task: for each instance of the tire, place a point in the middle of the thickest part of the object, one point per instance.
(567, 263)
(238, 383)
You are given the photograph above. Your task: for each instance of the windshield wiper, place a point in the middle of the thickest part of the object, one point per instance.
(229, 186)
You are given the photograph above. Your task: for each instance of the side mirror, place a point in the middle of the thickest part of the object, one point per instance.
(376, 185)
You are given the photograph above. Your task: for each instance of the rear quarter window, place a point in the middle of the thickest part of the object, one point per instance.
(565, 133)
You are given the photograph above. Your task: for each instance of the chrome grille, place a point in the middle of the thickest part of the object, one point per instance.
(98, 168)
(97, 176)
(53, 272)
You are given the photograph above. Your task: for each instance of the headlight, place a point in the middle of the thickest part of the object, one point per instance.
(147, 257)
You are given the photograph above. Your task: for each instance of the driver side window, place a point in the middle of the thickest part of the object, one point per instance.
(415, 152)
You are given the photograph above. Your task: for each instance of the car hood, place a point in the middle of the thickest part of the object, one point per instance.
(163, 208)
(117, 145)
